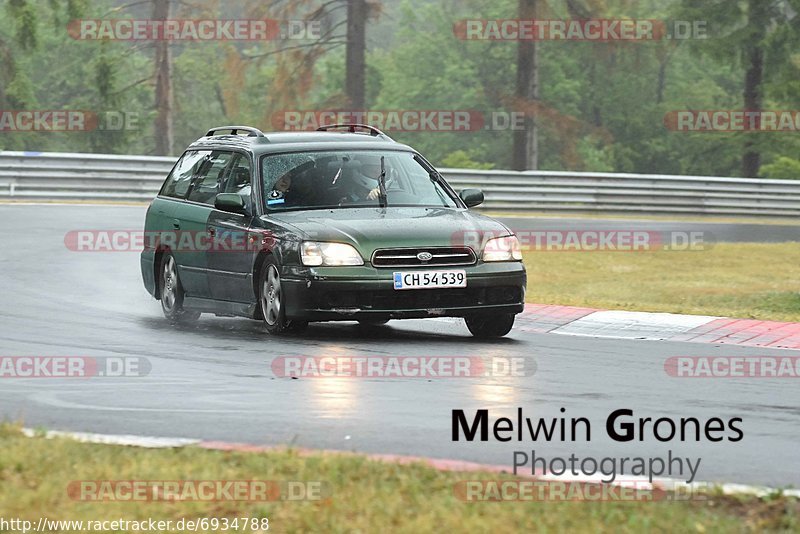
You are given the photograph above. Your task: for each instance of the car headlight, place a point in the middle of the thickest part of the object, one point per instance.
(502, 249)
(332, 254)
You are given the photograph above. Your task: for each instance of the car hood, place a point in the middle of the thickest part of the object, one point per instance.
(369, 229)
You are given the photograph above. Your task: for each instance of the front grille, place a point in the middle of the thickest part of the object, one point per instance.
(390, 300)
(409, 257)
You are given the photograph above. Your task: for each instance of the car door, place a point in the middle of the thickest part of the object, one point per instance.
(191, 220)
(230, 259)
(159, 225)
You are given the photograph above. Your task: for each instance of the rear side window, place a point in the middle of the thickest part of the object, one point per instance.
(210, 178)
(177, 183)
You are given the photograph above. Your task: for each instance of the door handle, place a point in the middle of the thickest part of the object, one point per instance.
(211, 231)
(176, 224)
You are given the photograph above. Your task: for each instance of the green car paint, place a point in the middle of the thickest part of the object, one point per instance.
(215, 218)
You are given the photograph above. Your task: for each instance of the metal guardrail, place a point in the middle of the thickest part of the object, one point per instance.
(63, 176)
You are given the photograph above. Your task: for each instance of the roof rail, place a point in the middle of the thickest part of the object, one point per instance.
(374, 132)
(253, 132)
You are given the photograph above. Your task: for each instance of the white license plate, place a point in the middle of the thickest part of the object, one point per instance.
(430, 279)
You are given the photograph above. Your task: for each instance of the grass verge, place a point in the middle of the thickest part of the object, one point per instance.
(366, 496)
(748, 280)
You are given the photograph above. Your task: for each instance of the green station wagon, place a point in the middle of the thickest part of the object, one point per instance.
(341, 224)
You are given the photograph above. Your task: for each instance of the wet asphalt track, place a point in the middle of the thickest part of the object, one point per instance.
(214, 381)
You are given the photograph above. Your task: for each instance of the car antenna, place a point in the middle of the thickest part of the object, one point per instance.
(382, 184)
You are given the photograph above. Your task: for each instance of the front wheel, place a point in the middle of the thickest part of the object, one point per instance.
(271, 299)
(172, 293)
(490, 326)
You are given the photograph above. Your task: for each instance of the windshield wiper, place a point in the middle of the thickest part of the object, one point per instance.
(382, 197)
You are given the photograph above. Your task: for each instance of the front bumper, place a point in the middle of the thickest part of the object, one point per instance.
(352, 293)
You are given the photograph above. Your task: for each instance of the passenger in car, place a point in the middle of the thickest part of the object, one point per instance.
(290, 189)
(280, 190)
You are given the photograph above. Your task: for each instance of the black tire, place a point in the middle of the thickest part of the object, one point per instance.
(271, 301)
(373, 322)
(172, 293)
(490, 326)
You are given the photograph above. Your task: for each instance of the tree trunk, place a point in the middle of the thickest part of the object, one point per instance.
(751, 158)
(355, 71)
(662, 78)
(163, 134)
(526, 140)
(597, 116)
(758, 18)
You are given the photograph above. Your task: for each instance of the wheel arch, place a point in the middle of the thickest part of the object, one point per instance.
(259, 262)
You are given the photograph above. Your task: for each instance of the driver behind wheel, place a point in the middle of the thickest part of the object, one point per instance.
(361, 177)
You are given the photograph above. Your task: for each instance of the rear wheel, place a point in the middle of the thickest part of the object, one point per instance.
(490, 326)
(172, 293)
(271, 299)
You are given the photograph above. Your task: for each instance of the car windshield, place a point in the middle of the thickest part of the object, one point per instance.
(347, 179)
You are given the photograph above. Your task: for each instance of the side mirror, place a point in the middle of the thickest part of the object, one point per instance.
(471, 197)
(231, 203)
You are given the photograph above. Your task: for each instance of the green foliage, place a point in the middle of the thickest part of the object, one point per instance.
(784, 168)
(25, 20)
(601, 108)
(460, 159)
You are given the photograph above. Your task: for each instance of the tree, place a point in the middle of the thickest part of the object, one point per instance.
(355, 54)
(163, 134)
(746, 28)
(20, 40)
(526, 141)
(758, 17)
